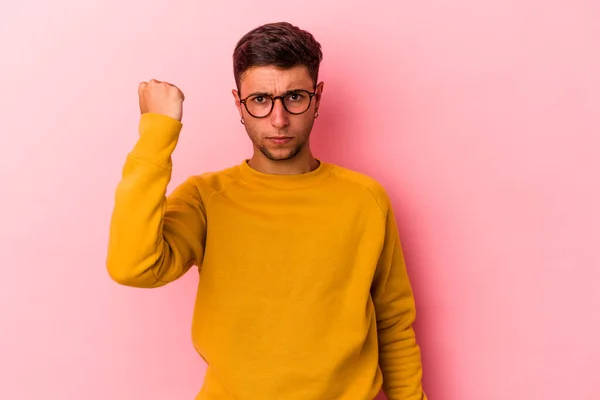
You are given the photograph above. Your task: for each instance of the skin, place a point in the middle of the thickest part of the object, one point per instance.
(295, 156)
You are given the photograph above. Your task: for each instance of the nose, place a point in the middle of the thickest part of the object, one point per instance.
(279, 117)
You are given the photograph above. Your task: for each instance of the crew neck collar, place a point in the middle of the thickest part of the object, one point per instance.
(285, 181)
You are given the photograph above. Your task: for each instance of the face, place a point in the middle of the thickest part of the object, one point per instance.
(280, 135)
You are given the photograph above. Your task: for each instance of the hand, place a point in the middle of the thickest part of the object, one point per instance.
(161, 98)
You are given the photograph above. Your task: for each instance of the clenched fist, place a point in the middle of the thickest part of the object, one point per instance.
(161, 98)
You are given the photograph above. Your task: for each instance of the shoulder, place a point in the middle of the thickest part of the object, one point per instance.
(217, 180)
(361, 182)
(207, 183)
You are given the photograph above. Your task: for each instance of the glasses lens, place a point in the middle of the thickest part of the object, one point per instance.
(297, 102)
(258, 106)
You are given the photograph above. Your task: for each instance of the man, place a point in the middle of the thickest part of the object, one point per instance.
(303, 291)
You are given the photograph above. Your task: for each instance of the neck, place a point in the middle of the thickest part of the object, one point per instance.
(302, 163)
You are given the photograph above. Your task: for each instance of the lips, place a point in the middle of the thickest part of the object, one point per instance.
(280, 139)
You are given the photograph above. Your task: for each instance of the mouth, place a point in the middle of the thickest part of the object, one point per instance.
(280, 139)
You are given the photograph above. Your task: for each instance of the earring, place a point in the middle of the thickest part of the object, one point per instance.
(242, 121)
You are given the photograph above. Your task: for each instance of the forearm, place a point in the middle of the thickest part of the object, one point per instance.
(138, 252)
(400, 361)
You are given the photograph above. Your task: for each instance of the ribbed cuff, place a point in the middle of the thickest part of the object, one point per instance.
(159, 135)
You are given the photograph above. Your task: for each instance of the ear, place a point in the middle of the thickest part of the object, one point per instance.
(318, 94)
(237, 101)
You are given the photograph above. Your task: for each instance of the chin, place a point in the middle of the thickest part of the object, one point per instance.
(281, 157)
(280, 154)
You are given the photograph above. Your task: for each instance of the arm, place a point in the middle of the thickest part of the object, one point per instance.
(154, 239)
(399, 354)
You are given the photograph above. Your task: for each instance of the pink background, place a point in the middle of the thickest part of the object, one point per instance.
(481, 118)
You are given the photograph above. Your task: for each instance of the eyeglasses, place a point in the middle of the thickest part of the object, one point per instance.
(295, 102)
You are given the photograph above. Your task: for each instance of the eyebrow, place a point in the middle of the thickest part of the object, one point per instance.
(271, 94)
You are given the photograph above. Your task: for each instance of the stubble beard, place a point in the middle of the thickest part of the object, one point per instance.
(267, 153)
(293, 153)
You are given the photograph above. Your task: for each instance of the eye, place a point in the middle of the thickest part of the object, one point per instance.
(295, 96)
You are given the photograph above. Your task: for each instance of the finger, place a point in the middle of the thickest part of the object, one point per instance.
(141, 87)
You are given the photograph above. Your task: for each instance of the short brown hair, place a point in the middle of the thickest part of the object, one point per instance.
(279, 44)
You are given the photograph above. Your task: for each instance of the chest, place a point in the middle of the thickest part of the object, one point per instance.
(291, 238)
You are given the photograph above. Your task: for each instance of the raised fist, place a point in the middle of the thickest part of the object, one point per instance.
(161, 98)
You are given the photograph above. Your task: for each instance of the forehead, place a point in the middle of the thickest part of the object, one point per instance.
(273, 80)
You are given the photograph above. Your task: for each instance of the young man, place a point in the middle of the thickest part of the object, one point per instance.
(303, 291)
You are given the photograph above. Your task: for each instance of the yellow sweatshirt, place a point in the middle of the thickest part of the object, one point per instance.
(303, 292)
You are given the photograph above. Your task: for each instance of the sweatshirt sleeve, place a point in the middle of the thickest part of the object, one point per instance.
(154, 239)
(399, 353)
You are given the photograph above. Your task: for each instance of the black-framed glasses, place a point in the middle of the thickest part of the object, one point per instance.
(295, 102)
